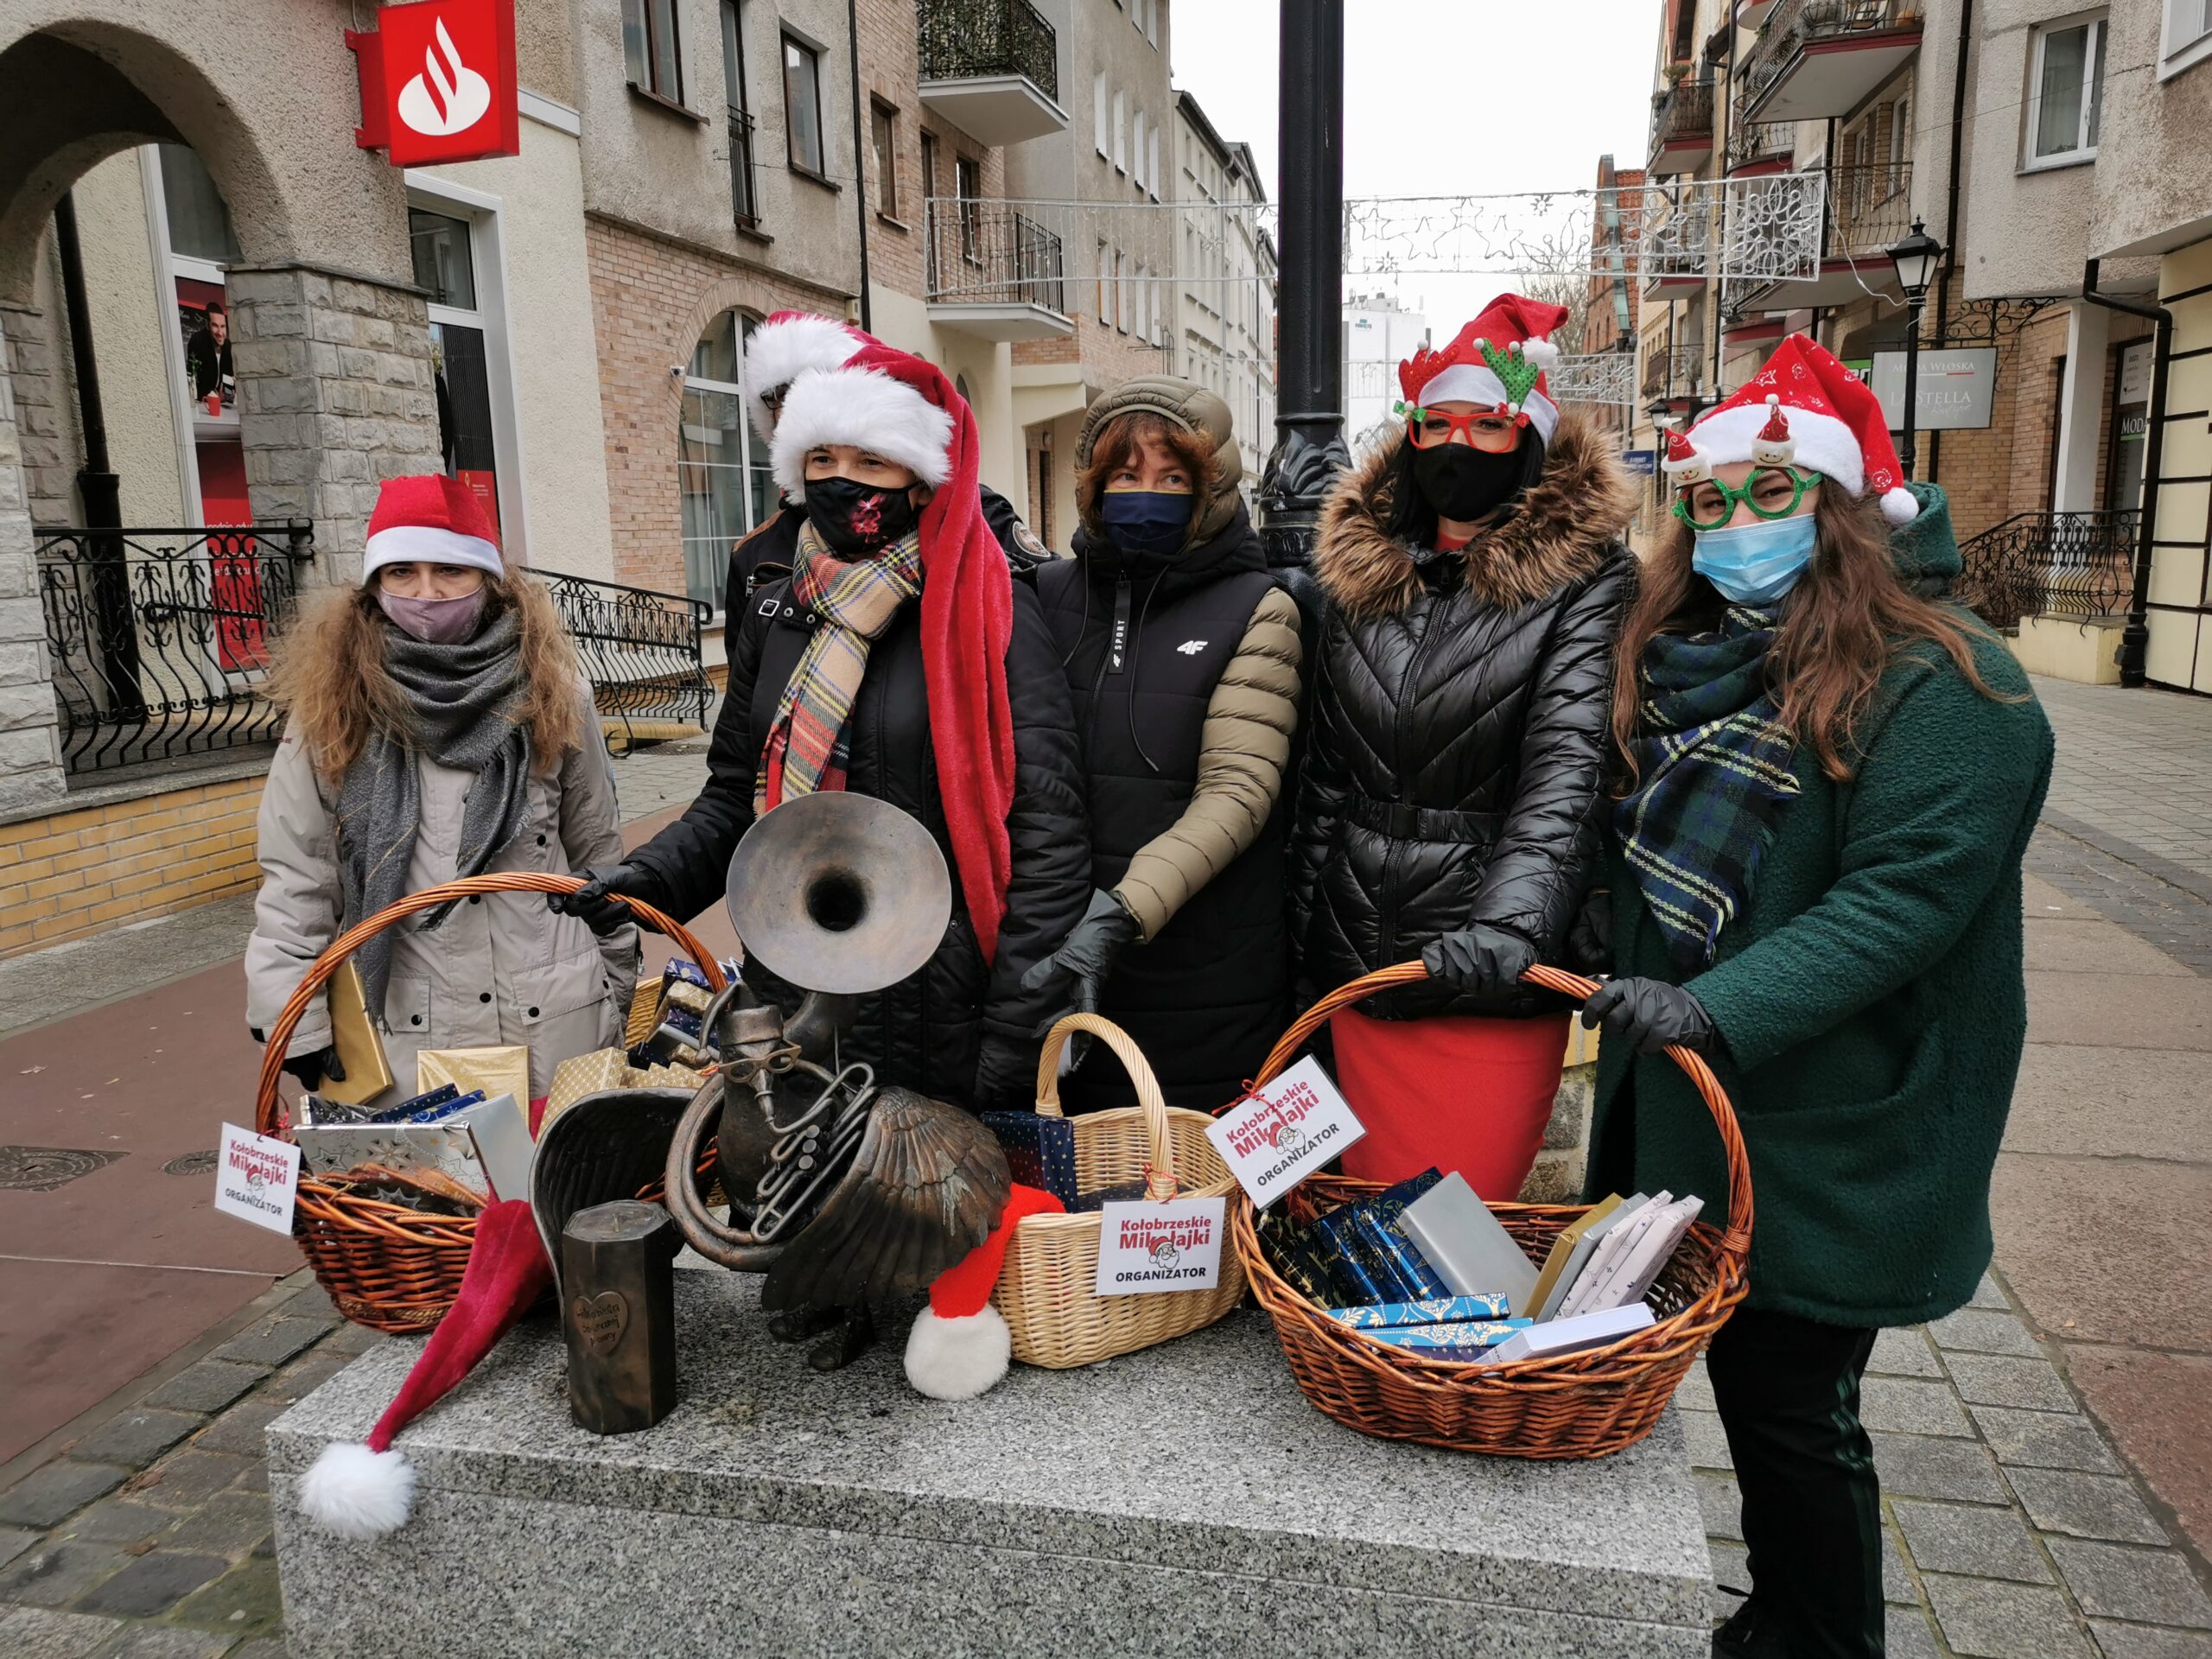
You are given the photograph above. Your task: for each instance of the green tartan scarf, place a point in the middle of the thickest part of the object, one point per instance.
(808, 743)
(1714, 767)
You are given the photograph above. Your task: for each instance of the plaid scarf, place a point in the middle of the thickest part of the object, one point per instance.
(1713, 762)
(808, 743)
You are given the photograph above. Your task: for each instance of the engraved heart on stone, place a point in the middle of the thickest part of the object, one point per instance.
(601, 1320)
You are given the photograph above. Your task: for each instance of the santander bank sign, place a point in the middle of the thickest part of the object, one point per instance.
(438, 82)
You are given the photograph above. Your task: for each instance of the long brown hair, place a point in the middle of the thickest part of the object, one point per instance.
(328, 673)
(1849, 616)
(1121, 443)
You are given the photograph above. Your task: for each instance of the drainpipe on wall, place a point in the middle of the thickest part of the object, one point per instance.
(1951, 208)
(860, 156)
(2135, 638)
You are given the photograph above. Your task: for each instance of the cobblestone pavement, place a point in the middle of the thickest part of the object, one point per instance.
(2135, 772)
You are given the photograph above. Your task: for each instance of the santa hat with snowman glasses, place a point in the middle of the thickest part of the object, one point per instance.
(1497, 361)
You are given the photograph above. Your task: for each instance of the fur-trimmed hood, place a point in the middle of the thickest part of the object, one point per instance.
(1561, 531)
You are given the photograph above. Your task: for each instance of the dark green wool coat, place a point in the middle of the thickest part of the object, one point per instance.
(1869, 999)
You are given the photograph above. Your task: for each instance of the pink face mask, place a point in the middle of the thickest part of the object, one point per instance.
(435, 621)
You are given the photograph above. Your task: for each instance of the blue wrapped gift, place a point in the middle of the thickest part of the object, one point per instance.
(1039, 1152)
(1435, 1310)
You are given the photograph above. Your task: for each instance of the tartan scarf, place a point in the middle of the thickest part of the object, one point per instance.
(1714, 765)
(808, 743)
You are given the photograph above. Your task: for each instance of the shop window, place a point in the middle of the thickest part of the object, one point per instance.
(200, 223)
(650, 51)
(803, 109)
(2065, 88)
(883, 134)
(201, 242)
(743, 200)
(722, 472)
(445, 265)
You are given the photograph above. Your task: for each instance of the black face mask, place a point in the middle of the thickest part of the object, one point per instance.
(856, 519)
(1462, 482)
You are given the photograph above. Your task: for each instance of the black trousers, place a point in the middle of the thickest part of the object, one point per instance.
(1787, 1390)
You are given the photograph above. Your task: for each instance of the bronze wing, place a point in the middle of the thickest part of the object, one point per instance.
(926, 1186)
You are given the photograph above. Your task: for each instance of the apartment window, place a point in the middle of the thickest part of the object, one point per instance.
(2186, 35)
(1152, 167)
(2065, 87)
(723, 481)
(1136, 151)
(1120, 295)
(929, 211)
(745, 203)
(1099, 132)
(803, 108)
(883, 139)
(1900, 144)
(1151, 21)
(1121, 134)
(968, 178)
(1105, 293)
(649, 49)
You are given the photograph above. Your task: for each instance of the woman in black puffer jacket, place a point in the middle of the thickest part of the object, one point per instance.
(1473, 580)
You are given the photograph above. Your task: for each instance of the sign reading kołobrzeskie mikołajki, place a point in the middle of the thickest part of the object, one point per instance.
(438, 82)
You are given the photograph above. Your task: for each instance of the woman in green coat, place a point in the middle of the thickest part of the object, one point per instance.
(1815, 883)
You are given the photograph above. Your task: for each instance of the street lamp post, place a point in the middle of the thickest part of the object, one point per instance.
(1309, 449)
(1915, 259)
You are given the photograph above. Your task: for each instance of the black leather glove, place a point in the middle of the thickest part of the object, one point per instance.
(1650, 1014)
(1479, 960)
(1005, 1075)
(1590, 941)
(591, 903)
(1086, 958)
(312, 1066)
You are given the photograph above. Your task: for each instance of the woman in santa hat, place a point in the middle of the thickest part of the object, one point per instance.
(901, 660)
(1474, 575)
(439, 725)
(1814, 882)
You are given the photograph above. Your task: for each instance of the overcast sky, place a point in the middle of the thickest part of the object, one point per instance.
(1443, 97)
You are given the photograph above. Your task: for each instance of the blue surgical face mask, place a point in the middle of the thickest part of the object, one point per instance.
(1755, 563)
(1143, 522)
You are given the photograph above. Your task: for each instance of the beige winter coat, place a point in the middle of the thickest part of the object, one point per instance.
(501, 968)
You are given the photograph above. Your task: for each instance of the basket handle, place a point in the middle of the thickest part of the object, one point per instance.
(1159, 1183)
(266, 1118)
(1737, 1237)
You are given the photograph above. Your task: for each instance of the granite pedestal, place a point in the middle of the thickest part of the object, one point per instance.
(1185, 1500)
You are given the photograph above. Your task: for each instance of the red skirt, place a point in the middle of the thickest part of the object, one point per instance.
(1459, 1091)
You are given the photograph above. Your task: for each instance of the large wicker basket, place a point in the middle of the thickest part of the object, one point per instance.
(1584, 1405)
(1047, 1288)
(385, 1265)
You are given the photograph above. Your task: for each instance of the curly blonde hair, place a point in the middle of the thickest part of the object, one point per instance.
(328, 674)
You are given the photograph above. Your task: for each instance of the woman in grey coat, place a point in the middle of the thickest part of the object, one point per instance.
(440, 726)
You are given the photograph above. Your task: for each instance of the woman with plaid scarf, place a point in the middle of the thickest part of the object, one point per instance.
(1815, 881)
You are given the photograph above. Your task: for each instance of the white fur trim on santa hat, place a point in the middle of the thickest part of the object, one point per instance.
(958, 1358)
(1473, 383)
(356, 1492)
(780, 351)
(409, 544)
(1824, 444)
(869, 409)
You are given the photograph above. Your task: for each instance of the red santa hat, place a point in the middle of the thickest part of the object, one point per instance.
(902, 408)
(784, 347)
(365, 1491)
(433, 518)
(960, 1345)
(1806, 407)
(1497, 360)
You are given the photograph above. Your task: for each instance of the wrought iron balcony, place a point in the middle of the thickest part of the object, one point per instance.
(1674, 371)
(1869, 208)
(996, 270)
(1761, 144)
(1819, 59)
(1681, 126)
(991, 67)
(2069, 564)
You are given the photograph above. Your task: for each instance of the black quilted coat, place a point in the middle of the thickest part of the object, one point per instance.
(928, 1031)
(1458, 727)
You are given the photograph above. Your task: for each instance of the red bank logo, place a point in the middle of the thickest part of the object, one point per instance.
(438, 82)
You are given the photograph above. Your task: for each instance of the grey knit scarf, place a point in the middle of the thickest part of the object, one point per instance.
(464, 699)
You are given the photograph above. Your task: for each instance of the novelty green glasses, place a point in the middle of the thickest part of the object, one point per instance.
(1770, 492)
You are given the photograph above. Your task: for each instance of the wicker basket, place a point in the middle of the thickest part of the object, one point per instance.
(1584, 1405)
(384, 1265)
(1046, 1288)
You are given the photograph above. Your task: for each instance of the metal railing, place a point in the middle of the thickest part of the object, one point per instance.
(1794, 25)
(2073, 564)
(744, 191)
(1869, 208)
(1683, 110)
(969, 39)
(641, 651)
(1754, 142)
(1675, 370)
(991, 253)
(159, 639)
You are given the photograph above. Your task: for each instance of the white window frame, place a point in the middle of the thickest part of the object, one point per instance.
(1152, 167)
(745, 439)
(2041, 36)
(1121, 132)
(487, 253)
(1098, 113)
(2176, 54)
(1137, 150)
(167, 267)
(1152, 23)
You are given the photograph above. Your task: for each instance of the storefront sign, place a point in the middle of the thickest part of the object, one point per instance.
(256, 1177)
(1643, 463)
(2134, 374)
(1952, 388)
(1285, 1132)
(1144, 1248)
(438, 82)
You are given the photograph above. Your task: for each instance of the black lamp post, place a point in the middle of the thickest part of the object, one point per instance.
(1916, 259)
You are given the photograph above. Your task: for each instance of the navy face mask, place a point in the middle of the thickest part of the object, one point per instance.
(1146, 523)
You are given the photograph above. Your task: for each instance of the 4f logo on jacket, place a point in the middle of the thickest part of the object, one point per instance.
(1192, 647)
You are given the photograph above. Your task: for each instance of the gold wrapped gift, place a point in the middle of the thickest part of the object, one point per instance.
(608, 1068)
(503, 1071)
